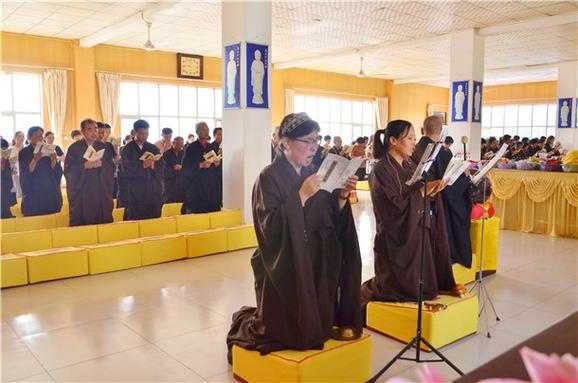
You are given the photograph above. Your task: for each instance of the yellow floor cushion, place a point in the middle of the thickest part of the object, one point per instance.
(363, 185)
(118, 231)
(337, 362)
(118, 214)
(46, 265)
(206, 242)
(74, 236)
(62, 218)
(14, 270)
(193, 222)
(457, 319)
(26, 241)
(491, 242)
(121, 255)
(241, 237)
(157, 226)
(39, 222)
(164, 248)
(226, 218)
(171, 209)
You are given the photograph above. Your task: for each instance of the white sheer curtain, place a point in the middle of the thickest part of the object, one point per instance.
(289, 101)
(55, 87)
(108, 90)
(381, 112)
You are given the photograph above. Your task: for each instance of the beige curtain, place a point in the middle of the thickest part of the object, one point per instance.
(381, 112)
(55, 87)
(289, 101)
(108, 90)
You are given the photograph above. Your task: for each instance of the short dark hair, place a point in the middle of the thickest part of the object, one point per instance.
(327, 137)
(34, 129)
(167, 131)
(449, 140)
(102, 125)
(360, 140)
(216, 130)
(49, 133)
(86, 122)
(75, 133)
(140, 125)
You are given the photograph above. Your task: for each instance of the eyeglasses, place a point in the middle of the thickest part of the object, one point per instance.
(311, 143)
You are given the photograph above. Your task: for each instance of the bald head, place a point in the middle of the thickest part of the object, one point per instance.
(432, 127)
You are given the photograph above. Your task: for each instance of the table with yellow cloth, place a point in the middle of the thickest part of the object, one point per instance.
(536, 201)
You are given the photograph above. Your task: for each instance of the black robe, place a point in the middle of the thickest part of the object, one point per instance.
(398, 210)
(8, 196)
(201, 194)
(89, 191)
(144, 187)
(122, 192)
(174, 188)
(41, 192)
(218, 176)
(307, 267)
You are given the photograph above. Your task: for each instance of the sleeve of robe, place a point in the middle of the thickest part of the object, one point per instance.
(191, 162)
(170, 160)
(131, 164)
(73, 170)
(24, 159)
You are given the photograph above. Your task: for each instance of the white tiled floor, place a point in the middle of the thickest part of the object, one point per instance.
(168, 322)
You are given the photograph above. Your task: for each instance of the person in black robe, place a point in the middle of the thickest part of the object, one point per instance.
(218, 166)
(144, 185)
(89, 183)
(399, 217)
(40, 177)
(174, 182)
(103, 131)
(49, 139)
(307, 267)
(8, 196)
(201, 195)
(318, 157)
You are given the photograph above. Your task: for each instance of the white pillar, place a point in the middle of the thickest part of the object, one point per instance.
(568, 88)
(466, 64)
(246, 131)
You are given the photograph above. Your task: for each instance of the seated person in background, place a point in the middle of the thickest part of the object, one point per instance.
(307, 267)
(400, 221)
(49, 139)
(337, 148)
(174, 190)
(491, 148)
(326, 144)
(483, 147)
(89, 183)
(7, 194)
(318, 157)
(165, 143)
(357, 151)
(144, 184)
(76, 135)
(40, 177)
(448, 142)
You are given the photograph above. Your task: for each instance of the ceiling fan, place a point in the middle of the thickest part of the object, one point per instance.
(148, 46)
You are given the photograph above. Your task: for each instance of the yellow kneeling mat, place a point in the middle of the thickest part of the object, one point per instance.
(14, 270)
(193, 222)
(241, 237)
(458, 319)
(19, 224)
(363, 185)
(226, 218)
(171, 209)
(337, 362)
(157, 226)
(491, 242)
(164, 248)
(206, 242)
(107, 257)
(46, 265)
(118, 231)
(118, 214)
(74, 236)
(26, 241)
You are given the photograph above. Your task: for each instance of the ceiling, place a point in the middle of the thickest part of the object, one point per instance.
(408, 40)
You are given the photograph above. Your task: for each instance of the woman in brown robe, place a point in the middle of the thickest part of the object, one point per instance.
(307, 267)
(398, 210)
(89, 183)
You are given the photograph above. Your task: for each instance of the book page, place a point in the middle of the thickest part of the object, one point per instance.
(417, 174)
(48, 150)
(458, 171)
(89, 153)
(490, 164)
(146, 155)
(335, 170)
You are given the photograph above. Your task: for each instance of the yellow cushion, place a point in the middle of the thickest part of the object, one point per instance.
(74, 236)
(46, 265)
(157, 226)
(491, 242)
(337, 362)
(206, 242)
(14, 270)
(241, 237)
(118, 231)
(193, 222)
(106, 257)
(26, 241)
(62, 218)
(363, 185)
(226, 218)
(164, 248)
(398, 320)
(171, 209)
(463, 275)
(39, 222)
(118, 214)
(8, 225)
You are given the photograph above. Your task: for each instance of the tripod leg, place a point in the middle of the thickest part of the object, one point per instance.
(442, 357)
(391, 362)
(489, 298)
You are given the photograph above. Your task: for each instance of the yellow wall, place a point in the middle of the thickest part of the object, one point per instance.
(521, 93)
(410, 102)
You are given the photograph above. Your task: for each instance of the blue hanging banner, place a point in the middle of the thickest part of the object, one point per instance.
(460, 101)
(564, 113)
(257, 75)
(232, 71)
(477, 105)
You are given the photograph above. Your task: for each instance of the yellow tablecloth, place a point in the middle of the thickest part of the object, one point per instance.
(536, 202)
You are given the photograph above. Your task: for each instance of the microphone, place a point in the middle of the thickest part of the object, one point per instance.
(464, 142)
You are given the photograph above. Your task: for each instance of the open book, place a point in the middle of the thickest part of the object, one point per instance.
(426, 158)
(489, 165)
(454, 170)
(92, 155)
(46, 149)
(212, 157)
(437, 148)
(335, 170)
(150, 156)
(6, 153)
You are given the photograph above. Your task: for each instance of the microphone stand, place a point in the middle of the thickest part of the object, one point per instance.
(418, 339)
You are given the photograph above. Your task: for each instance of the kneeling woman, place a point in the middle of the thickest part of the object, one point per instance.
(307, 268)
(398, 210)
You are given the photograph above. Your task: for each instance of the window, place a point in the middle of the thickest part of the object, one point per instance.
(20, 102)
(339, 117)
(178, 107)
(524, 120)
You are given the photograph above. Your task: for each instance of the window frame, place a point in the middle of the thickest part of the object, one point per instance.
(489, 129)
(12, 113)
